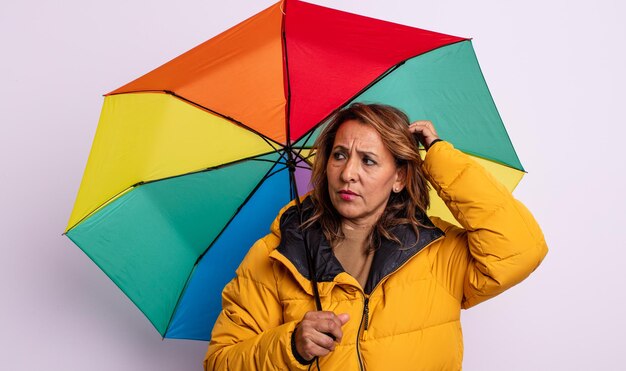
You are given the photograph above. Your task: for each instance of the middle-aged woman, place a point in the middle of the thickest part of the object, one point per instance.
(391, 281)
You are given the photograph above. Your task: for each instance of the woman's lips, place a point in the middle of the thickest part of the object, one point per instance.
(347, 195)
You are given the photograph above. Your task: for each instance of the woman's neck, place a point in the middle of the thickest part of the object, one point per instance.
(356, 236)
(354, 252)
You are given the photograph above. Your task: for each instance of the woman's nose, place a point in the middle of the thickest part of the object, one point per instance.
(350, 170)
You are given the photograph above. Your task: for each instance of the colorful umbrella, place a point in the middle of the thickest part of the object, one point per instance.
(190, 162)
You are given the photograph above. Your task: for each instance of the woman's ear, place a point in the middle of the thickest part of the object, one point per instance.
(400, 182)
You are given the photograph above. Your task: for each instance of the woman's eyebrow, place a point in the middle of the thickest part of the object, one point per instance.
(368, 153)
(344, 148)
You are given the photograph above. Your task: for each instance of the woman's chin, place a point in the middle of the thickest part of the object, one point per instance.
(348, 211)
(355, 215)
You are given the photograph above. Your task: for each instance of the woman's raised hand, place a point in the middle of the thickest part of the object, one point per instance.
(425, 132)
(313, 333)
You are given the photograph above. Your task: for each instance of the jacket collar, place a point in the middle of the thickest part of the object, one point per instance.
(387, 258)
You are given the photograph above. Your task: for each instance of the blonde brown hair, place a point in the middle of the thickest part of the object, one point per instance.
(406, 207)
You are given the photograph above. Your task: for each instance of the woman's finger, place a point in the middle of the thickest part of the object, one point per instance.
(310, 349)
(326, 322)
(330, 327)
(318, 332)
(425, 130)
(422, 127)
(323, 339)
(311, 342)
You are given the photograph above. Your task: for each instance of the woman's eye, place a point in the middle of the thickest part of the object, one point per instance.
(368, 161)
(338, 156)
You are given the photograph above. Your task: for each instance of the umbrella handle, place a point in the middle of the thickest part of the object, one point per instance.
(310, 259)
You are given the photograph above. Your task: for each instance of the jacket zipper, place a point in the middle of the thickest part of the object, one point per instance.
(365, 316)
(363, 325)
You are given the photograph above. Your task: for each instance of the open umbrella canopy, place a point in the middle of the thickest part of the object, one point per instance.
(192, 161)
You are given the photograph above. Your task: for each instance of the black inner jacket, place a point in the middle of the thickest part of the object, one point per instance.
(387, 258)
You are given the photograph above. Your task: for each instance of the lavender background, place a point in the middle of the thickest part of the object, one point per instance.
(555, 69)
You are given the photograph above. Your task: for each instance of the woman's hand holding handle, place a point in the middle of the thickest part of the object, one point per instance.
(314, 334)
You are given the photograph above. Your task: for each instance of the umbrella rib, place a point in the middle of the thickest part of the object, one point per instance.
(308, 135)
(287, 80)
(293, 187)
(340, 107)
(142, 182)
(272, 143)
(217, 237)
(180, 297)
(211, 168)
(299, 160)
(274, 173)
(236, 212)
(110, 199)
(375, 81)
(304, 158)
(497, 112)
(495, 161)
(266, 139)
(264, 160)
(114, 280)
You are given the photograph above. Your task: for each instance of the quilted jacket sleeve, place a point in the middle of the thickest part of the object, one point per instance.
(500, 243)
(249, 333)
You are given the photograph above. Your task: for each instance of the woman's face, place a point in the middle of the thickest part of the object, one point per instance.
(361, 173)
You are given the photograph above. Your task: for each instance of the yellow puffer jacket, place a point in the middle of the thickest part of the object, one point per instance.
(408, 315)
